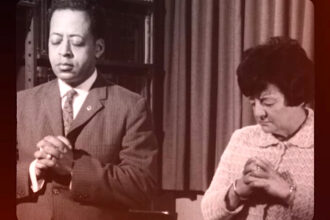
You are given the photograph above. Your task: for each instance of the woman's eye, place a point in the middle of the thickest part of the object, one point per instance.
(268, 103)
(252, 102)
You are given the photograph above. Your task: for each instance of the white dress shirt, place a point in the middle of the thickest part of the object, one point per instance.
(78, 100)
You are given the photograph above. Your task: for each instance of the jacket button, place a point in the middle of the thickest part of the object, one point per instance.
(56, 191)
(82, 196)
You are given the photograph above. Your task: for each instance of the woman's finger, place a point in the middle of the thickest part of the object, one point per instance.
(253, 166)
(249, 166)
(258, 183)
(264, 164)
(248, 178)
(259, 173)
(249, 161)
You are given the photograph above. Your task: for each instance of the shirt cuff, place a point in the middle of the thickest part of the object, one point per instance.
(70, 185)
(36, 185)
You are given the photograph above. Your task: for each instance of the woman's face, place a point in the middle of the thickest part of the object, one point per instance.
(272, 113)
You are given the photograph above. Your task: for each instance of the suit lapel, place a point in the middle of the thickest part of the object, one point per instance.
(92, 104)
(52, 104)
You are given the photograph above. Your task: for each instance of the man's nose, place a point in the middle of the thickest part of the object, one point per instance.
(65, 49)
(259, 111)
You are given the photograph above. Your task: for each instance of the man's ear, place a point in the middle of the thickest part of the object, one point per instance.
(99, 47)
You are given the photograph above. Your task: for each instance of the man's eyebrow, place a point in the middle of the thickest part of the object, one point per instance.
(71, 35)
(76, 35)
(55, 33)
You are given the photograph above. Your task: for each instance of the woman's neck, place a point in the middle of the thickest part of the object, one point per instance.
(296, 123)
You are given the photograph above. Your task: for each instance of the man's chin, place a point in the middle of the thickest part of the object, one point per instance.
(66, 76)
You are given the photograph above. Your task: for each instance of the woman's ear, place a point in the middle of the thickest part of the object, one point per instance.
(99, 47)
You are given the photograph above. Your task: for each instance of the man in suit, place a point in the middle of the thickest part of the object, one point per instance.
(86, 149)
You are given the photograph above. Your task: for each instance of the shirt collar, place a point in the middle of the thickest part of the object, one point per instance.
(81, 89)
(304, 138)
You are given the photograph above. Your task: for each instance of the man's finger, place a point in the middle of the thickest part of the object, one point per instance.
(50, 151)
(56, 142)
(46, 163)
(40, 165)
(65, 141)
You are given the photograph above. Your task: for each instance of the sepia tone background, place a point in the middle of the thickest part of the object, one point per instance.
(182, 55)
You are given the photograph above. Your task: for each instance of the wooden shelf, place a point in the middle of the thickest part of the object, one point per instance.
(26, 3)
(112, 67)
(130, 6)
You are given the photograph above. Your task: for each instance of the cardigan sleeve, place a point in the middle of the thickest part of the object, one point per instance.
(213, 203)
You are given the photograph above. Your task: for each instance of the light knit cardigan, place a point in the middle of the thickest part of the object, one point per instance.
(295, 156)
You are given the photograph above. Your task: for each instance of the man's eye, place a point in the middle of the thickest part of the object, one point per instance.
(76, 41)
(55, 40)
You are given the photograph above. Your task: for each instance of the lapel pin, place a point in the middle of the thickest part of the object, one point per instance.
(89, 108)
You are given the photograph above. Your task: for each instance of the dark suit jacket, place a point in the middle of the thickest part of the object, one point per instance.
(114, 154)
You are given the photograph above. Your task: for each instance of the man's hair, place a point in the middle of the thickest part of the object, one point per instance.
(92, 7)
(282, 62)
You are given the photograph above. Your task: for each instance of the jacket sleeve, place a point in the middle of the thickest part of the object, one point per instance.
(22, 166)
(213, 203)
(22, 180)
(132, 181)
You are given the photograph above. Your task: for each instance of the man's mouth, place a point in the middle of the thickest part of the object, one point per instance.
(65, 66)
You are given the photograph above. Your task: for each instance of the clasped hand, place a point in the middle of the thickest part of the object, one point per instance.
(259, 174)
(55, 153)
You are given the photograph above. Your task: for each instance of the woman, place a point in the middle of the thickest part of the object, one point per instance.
(267, 170)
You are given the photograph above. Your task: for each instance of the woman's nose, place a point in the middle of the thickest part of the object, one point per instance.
(259, 111)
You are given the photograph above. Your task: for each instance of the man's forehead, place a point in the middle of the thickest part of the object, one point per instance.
(75, 21)
(69, 17)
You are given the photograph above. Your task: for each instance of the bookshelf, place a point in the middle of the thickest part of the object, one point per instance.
(133, 56)
(129, 59)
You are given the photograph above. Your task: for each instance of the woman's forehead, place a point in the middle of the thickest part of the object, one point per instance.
(270, 90)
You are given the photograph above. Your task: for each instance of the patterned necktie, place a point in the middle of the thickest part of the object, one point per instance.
(68, 110)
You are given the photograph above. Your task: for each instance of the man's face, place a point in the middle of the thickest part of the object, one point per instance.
(72, 48)
(271, 111)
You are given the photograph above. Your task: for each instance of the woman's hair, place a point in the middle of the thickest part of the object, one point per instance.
(91, 7)
(282, 62)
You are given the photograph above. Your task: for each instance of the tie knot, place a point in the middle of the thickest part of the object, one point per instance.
(70, 94)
